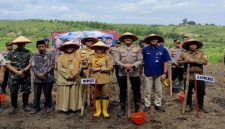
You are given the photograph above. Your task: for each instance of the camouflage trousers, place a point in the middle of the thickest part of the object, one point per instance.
(15, 84)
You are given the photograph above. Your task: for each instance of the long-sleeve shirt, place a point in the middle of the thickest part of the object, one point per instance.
(129, 55)
(43, 63)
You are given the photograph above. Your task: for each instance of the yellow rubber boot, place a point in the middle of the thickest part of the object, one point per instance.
(105, 104)
(98, 108)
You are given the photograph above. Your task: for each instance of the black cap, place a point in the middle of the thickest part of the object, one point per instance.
(39, 42)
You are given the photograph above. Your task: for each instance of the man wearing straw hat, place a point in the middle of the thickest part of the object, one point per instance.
(155, 69)
(101, 66)
(196, 59)
(129, 59)
(18, 63)
(86, 52)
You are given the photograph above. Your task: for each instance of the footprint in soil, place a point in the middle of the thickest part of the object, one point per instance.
(219, 101)
(181, 118)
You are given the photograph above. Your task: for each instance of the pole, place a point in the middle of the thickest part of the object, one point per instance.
(94, 98)
(128, 95)
(196, 96)
(186, 88)
(170, 78)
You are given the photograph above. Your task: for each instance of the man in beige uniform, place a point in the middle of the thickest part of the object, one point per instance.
(84, 54)
(129, 59)
(196, 59)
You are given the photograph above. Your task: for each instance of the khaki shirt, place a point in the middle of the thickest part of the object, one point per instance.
(175, 55)
(85, 53)
(196, 67)
(105, 63)
(129, 55)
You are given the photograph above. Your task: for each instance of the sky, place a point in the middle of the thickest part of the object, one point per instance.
(117, 11)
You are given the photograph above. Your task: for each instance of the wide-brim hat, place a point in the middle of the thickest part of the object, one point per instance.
(20, 39)
(191, 42)
(69, 43)
(100, 44)
(83, 41)
(153, 36)
(128, 34)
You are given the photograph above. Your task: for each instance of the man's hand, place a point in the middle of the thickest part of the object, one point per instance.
(162, 77)
(190, 60)
(94, 69)
(20, 73)
(128, 66)
(41, 76)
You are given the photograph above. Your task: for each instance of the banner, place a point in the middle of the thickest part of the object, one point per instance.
(109, 37)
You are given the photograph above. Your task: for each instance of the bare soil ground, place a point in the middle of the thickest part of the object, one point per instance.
(171, 119)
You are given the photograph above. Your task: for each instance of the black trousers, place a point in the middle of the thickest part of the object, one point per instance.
(135, 85)
(47, 89)
(200, 92)
(177, 73)
(5, 81)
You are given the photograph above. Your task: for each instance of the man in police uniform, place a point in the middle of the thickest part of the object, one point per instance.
(9, 47)
(129, 59)
(18, 63)
(196, 59)
(177, 69)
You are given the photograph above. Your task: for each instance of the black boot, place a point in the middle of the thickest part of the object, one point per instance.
(25, 98)
(137, 107)
(122, 111)
(201, 104)
(13, 103)
(189, 103)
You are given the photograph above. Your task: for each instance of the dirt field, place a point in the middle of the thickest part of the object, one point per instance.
(171, 119)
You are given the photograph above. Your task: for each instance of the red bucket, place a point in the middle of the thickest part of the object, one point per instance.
(180, 97)
(138, 118)
(2, 98)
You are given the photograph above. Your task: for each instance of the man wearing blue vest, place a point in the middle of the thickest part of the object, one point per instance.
(155, 59)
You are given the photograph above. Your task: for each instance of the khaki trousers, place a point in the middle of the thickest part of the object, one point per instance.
(149, 83)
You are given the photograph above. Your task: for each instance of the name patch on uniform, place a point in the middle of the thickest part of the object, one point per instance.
(204, 78)
(88, 81)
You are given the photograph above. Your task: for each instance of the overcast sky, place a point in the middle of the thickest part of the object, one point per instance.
(117, 11)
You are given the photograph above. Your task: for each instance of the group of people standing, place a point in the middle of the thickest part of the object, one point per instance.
(97, 60)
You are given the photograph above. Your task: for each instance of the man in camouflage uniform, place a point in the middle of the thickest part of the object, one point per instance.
(18, 63)
(129, 59)
(177, 69)
(196, 59)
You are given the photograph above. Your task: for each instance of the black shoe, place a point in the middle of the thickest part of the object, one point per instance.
(34, 111)
(122, 112)
(27, 109)
(48, 110)
(13, 110)
(203, 110)
(146, 109)
(159, 108)
(188, 108)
